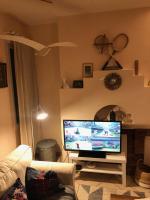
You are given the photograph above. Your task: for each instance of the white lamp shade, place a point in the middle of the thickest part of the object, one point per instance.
(41, 115)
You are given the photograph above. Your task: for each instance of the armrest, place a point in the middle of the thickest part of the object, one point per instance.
(65, 171)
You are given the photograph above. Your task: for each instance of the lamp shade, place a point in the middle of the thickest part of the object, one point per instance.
(41, 115)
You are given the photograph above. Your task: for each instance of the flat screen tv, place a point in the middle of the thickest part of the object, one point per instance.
(92, 136)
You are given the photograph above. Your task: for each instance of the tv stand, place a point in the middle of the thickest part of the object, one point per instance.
(112, 164)
(93, 154)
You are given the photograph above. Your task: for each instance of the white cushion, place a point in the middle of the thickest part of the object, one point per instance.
(14, 166)
(7, 177)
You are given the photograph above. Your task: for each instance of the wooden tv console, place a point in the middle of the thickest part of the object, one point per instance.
(112, 164)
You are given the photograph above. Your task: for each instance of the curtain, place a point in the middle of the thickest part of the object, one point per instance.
(27, 91)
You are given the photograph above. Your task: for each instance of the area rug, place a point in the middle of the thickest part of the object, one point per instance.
(87, 192)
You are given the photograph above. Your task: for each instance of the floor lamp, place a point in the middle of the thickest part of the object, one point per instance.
(39, 115)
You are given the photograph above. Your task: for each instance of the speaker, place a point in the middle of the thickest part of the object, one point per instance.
(78, 84)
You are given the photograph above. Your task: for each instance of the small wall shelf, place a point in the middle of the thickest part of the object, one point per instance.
(104, 168)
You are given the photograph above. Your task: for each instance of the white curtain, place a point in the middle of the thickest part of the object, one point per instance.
(27, 91)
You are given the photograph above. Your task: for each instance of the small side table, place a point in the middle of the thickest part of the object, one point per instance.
(112, 164)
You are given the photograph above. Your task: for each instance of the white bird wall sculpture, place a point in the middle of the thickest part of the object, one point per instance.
(42, 49)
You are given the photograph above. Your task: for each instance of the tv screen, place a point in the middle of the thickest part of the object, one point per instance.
(92, 135)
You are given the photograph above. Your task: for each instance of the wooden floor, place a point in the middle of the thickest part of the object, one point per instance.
(111, 184)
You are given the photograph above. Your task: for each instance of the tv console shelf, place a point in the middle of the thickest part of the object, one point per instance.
(112, 164)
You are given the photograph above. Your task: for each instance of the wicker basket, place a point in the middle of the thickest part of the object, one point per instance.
(142, 175)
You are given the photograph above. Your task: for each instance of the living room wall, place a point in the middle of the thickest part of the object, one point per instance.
(9, 138)
(48, 81)
(83, 29)
(132, 96)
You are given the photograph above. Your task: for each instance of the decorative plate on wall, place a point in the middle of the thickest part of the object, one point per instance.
(113, 81)
(104, 113)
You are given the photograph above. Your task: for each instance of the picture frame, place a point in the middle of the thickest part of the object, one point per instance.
(78, 84)
(87, 70)
(3, 75)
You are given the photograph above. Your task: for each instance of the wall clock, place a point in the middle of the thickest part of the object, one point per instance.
(112, 81)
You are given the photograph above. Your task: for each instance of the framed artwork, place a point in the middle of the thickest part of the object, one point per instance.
(78, 84)
(3, 75)
(87, 69)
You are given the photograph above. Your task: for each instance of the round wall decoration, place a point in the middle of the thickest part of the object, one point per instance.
(113, 81)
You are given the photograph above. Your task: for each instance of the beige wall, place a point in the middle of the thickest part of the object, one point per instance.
(81, 30)
(8, 136)
(84, 29)
(48, 81)
(132, 96)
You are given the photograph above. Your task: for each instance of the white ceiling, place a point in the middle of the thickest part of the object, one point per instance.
(34, 12)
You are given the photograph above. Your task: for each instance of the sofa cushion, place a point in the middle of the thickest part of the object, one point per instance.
(15, 192)
(41, 184)
(7, 177)
(19, 159)
(14, 166)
